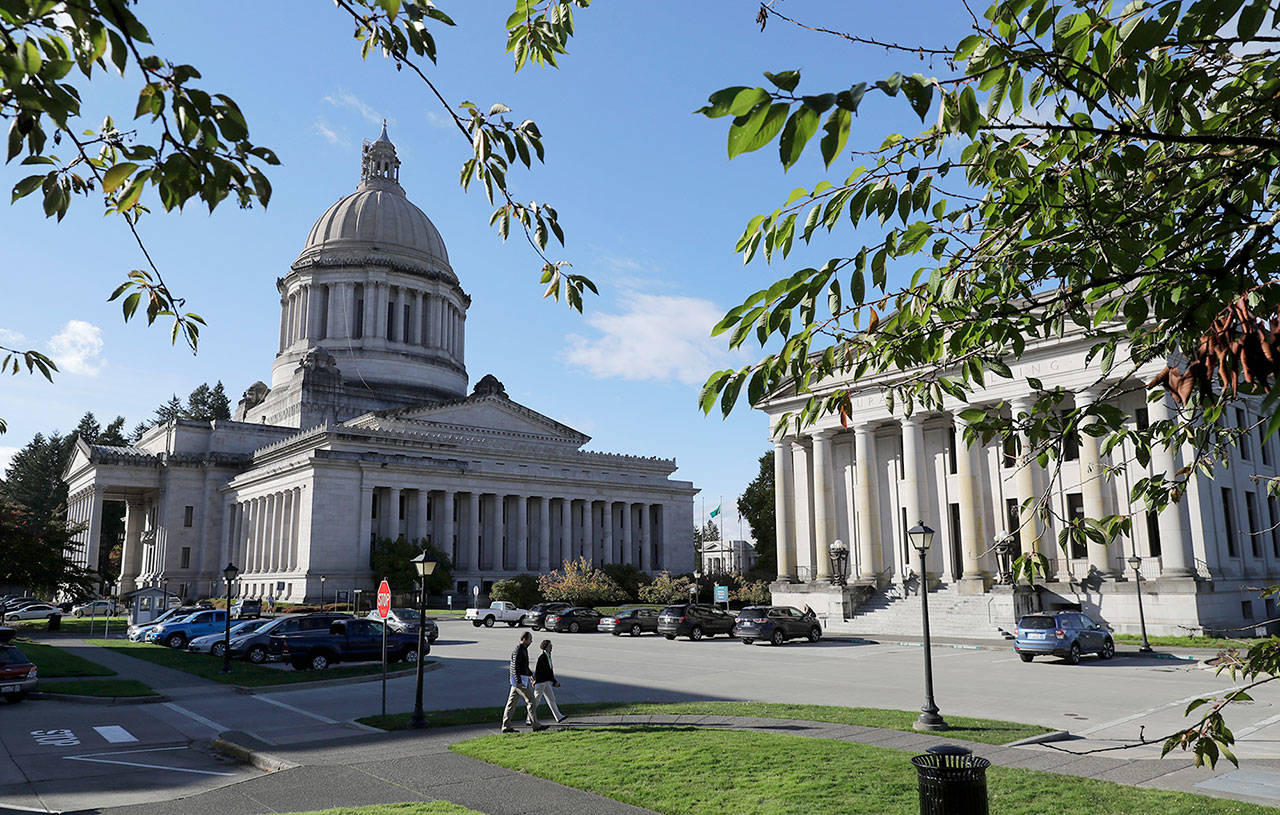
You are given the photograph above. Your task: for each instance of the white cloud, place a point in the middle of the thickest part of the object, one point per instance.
(6, 456)
(346, 100)
(12, 339)
(660, 338)
(77, 348)
(439, 120)
(336, 137)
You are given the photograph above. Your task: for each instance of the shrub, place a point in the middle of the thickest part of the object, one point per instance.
(755, 593)
(577, 582)
(630, 578)
(665, 589)
(521, 590)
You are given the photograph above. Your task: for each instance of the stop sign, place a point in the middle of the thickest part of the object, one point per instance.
(384, 599)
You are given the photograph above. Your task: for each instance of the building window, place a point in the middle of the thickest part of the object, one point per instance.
(357, 327)
(1153, 533)
(1070, 443)
(374, 511)
(188, 516)
(1011, 520)
(1141, 418)
(1075, 509)
(1251, 507)
(407, 323)
(1229, 521)
(1243, 437)
(464, 588)
(951, 451)
(186, 557)
(401, 510)
(1246, 609)
(1263, 447)
(1010, 448)
(1274, 511)
(391, 320)
(957, 542)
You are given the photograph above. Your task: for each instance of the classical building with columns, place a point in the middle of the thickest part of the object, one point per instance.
(367, 430)
(866, 484)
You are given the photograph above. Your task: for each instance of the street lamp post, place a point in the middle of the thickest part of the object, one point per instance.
(425, 568)
(229, 574)
(322, 579)
(921, 537)
(1134, 563)
(839, 562)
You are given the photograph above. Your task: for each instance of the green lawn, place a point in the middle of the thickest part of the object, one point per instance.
(1187, 642)
(54, 662)
(424, 808)
(116, 688)
(242, 673)
(76, 625)
(689, 771)
(987, 731)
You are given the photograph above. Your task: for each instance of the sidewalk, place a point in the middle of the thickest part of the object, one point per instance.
(417, 766)
(168, 682)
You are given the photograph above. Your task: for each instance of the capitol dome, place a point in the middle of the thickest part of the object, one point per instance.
(378, 220)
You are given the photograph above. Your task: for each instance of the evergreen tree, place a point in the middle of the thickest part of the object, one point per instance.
(34, 553)
(114, 435)
(757, 505)
(172, 409)
(34, 478)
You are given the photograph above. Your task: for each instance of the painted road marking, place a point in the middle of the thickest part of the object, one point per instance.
(191, 714)
(1255, 727)
(55, 738)
(1144, 713)
(115, 734)
(299, 710)
(96, 759)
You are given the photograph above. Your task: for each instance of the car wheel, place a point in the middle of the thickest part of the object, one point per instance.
(534, 627)
(433, 638)
(218, 649)
(15, 698)
(1073, 656)
(488, 622)
(79, 613)
(318, 662)
(696, 633)
(748, 640)
(512, 623)
(257, 655)
(778, 638)
(615, 632)
(574, 628)
(411, 656)
(815, 634)
(669, 636)
(176, 641)
(475, 623)
(300, 664)
(1108, 649)
(1026, 657)
(635, 630)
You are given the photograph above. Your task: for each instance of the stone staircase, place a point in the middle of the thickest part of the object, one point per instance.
(951, 614)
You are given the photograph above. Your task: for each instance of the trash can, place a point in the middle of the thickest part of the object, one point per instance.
(952, 781)
(55, 622)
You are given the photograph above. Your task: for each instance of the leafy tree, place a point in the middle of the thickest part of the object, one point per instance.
(578, 583)
(392, 559)
(666, 589)
(629, 577)
(34, 553)
(755, 593)
(207, 404)
(521, 590)
(756, 504)
(33, 479)
(169, 411)
(1083, 169)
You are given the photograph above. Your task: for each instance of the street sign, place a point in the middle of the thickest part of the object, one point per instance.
(722, 594)
(384, 599)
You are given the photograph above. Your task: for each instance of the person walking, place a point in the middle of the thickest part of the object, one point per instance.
(544, 680)
(521, 687)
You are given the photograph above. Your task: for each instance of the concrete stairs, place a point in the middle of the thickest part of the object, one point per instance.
(891, 613)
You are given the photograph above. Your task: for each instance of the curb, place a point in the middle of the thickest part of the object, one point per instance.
(248, 755)
(1043, 738)
(330, 683)
(100, 700)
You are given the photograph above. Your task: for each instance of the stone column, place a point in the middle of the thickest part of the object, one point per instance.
(784, 511)
(1175, 544)
(606, 532)
(909, 490)
(366, 528)
(284, 324)
(297, 529)
(473, 531)
(1091, 476)
(544, 535)
(588, 531)
(521, 533)
(447, 524)
(421, 524)
(628, 549)
(867, 500)
(646, 539)
(566, 532)
(462, 336)
(1025, 485)
(93, 544)
(802, 508)
(824, 504)
(270, 552)
(131, 552)
(973, 579)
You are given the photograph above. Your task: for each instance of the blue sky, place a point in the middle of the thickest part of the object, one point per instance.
(649, 201)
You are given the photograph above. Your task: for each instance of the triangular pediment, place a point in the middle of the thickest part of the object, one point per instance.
(494, 414)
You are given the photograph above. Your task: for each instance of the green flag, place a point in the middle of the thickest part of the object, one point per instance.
(715, 511)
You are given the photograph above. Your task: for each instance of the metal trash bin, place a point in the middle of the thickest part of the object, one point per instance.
(952, 781)
(55, 622)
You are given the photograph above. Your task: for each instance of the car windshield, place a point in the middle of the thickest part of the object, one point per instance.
(752, 613)
(405, 613)
(247, 626)
(10, 655)
(1037, 622)
(674, 610)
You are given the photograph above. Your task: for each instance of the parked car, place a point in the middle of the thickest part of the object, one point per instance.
(1066, 634)
(634, 621)
(406, 621)
(776, 624)
(500, 611)
(246, 609)
(536, 617)
(215, 642)
(138, 631)
(178, 633)
(345, 640)
(255, 646)
(95, 608)
(18, 675)
(34, 611)
(694, 620)
(574, 619)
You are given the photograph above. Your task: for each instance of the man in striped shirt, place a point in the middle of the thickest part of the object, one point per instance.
(521, 687)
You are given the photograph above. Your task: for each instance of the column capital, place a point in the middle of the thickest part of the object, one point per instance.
(1090, 395)
(1022, 403)
(914, 420)
(825, 434)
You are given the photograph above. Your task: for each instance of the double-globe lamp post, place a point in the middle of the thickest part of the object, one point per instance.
(921, 537)
(230, 574)
(1135, 563)
(839, 551)
(424, 568)
(322, 579)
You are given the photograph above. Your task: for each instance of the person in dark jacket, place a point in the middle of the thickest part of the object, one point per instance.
(544, 679)
(521, 687)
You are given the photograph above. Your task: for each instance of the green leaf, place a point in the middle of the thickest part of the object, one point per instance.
(787, 80)
(737, 101)
(799, 129)
(113, 177)
(750, 133)
(836, 134)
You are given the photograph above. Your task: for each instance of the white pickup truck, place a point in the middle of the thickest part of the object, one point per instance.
(497, 612)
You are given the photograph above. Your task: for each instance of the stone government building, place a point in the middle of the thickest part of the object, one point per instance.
(1202, 559)
(367, 431)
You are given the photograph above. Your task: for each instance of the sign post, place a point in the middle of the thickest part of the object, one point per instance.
(722, 595)
(384, 609)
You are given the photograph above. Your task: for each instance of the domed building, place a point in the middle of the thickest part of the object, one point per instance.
(367, 431)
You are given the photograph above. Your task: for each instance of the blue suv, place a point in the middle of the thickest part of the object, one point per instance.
(1066, 634)
(177, 633)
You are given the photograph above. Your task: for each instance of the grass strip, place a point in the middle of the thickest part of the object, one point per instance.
(113, 688)
(690, 771)
(55, 662)
(987, 731)
(242, 673)
(75, 625)
(416, 808)
(1186, 642)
